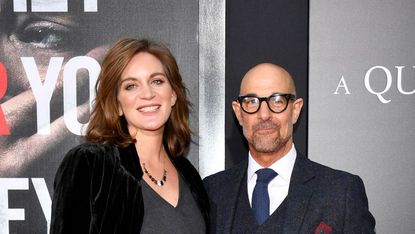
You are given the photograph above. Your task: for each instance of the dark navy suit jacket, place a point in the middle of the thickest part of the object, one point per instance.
(317, 194)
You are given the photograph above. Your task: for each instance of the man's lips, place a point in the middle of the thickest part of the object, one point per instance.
(265, 127)
(265, 130)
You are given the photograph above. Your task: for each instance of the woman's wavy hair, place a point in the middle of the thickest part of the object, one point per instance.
(106, 126)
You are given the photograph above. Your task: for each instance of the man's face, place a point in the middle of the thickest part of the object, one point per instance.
(268, 132)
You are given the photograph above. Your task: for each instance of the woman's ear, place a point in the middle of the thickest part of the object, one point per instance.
(120, 112)
(173, 99)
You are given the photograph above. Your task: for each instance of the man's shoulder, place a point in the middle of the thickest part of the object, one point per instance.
(223, 178)
(327, 173)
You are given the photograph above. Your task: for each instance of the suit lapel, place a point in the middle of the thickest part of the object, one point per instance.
(230, 200)
(299, 194)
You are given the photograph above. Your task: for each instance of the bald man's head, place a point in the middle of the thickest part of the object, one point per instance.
(267, 74)
(267, 110)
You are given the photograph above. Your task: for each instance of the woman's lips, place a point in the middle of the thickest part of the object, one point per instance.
(151, 108)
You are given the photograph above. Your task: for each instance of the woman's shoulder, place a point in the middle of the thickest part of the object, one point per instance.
(91, 149)
(88, 153)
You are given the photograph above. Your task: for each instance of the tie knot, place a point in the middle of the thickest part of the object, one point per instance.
(265, 175)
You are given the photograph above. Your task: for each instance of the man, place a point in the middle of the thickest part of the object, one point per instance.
(291, 194)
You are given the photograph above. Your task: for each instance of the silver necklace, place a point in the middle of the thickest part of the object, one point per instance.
(156, 181)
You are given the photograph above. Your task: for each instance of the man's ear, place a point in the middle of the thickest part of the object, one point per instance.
(297, 106)
(237, 110)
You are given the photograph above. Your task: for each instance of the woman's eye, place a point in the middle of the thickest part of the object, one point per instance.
(130, 86)
(45, 35)
(157, 82)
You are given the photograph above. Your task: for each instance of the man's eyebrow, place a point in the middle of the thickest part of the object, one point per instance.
(249, 94)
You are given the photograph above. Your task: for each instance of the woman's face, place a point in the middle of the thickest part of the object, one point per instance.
(145, 95)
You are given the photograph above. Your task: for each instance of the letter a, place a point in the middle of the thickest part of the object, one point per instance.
(342, 84)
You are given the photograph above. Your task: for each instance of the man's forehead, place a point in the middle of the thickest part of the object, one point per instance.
(265, 85)
(265, 79)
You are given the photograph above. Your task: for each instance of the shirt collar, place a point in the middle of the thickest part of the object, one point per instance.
(284, 166)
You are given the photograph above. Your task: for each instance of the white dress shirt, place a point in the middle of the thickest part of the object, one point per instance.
(277, 187)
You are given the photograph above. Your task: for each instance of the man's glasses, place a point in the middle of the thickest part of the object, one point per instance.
(277, 102)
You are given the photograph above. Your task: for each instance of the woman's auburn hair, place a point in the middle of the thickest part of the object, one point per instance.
(106, 126)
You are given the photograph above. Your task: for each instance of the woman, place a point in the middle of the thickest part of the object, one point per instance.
(131, 176)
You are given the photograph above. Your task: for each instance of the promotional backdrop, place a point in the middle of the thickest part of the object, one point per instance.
(352, 62)
(362, 97)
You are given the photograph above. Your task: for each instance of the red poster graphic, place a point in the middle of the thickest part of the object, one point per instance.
(4, 129)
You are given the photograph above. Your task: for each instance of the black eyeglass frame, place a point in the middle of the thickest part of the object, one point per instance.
(287, 96)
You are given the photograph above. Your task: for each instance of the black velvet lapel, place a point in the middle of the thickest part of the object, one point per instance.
(130, 161)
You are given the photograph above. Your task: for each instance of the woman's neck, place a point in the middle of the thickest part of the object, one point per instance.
(150, 148)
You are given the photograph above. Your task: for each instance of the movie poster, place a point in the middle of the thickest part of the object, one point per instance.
(50, 54)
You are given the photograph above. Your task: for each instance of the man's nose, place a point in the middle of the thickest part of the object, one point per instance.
(264, 112)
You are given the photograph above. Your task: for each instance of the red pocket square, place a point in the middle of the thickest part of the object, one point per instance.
(323, 228)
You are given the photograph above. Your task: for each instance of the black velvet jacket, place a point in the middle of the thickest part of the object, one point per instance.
(97, 190)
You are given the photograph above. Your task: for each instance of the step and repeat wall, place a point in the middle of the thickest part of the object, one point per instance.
(259, 32)
(352, 62)
(362, 98)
